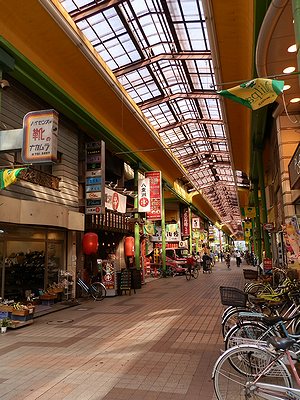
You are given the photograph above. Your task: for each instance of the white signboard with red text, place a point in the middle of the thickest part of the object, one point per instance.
(115, 201)
(144, 195)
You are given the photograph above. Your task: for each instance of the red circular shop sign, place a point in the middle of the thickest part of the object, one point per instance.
(115, 201)
(144, 202)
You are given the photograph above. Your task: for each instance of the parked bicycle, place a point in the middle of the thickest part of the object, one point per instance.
(257, 372)
(96, 289)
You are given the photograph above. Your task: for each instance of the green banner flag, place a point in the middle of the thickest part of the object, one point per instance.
(255, 93)
(9, 176)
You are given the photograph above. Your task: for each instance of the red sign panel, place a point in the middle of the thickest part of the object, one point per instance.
(155, 212)
(185, 222)
(267, 263)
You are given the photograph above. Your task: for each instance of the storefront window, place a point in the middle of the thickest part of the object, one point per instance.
(32, 260)
(24, 268)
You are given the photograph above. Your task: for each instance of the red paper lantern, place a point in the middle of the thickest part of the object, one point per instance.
(129, 246)
(90, 243)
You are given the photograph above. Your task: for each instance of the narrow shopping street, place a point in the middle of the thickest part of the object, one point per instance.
(157, 344)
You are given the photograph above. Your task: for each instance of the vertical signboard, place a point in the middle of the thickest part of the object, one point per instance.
(40, 129)
(155, 212)
(185, 222)
(144, 195)
(95, 178)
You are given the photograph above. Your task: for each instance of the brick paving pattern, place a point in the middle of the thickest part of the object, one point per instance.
(158, 344)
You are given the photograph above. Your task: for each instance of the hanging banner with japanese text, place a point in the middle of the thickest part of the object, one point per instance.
(172, 233)
(115, 201)
(185, 221)
(40, 129)
(144, 195)
(155, 212)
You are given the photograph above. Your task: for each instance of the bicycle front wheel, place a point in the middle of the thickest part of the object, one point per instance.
(196, 273)
(252, 360)
(98, 291)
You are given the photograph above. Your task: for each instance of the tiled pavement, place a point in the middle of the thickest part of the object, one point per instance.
(158, 344)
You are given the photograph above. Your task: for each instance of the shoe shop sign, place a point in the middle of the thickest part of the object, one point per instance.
(40, 130)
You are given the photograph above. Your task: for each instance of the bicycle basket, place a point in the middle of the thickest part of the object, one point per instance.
(231, 296)
(250, 274)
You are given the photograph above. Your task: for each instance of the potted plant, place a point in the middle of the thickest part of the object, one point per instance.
(4, 323)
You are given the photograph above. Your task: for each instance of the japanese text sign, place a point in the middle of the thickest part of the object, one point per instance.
(185, 221)
(40, 129)
(144, 195)
(155, 212)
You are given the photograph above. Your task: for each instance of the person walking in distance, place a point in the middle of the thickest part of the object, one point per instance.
(207, 261)
(238, 258)
(227, 259)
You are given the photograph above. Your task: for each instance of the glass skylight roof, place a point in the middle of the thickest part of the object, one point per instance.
(160, 53)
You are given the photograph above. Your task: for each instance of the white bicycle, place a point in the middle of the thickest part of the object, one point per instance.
(251, 371)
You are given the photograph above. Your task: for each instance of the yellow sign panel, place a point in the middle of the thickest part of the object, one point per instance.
(247, 225)
(250, 212)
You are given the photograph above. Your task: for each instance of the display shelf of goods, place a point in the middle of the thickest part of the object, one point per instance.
(6, 308)
(23, 271)
(48, 296)
(20, 312)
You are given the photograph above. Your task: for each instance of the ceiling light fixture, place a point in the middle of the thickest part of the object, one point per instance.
(288, 70)
(295, 100)
(292, 49)
(286, 87)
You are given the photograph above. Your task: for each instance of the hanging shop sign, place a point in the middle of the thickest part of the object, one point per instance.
(183, 244)
(155, 212)
(247, 233)
(95, 191)
(185, 222)
(203, 235)
(172, 233)
(267, 264)
(291, 236)
(144, 195)
(40, 130)
(248, 225)
(196, 223)
(294, 169)
(211, 233)
(250, 212)
(115, 201)
(268, 226)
